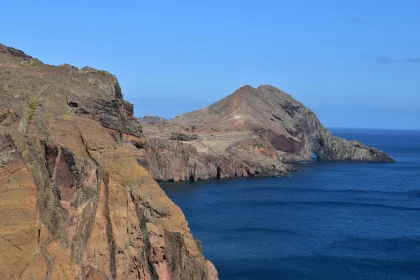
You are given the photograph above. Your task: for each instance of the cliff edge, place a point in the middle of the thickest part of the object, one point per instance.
(74, 202)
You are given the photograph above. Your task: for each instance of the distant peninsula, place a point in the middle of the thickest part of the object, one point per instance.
(254, 132)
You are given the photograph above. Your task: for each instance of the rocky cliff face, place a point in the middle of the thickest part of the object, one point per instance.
(252, 132)
(74, 201)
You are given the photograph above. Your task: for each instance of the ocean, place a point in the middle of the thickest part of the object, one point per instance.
(332, 220)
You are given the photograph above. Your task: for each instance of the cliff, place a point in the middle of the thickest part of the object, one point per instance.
(252, 132)
(74, 202)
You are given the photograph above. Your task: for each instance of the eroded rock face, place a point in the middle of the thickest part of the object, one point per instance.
(169, 160)
(74, 202)
(252, 132)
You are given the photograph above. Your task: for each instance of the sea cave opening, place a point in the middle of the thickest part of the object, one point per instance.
(218, 172)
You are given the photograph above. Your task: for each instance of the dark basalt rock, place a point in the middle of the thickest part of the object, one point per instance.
(182, 137)
(152, 119)
(14, 52)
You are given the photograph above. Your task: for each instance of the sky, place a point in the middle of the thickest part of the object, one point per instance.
(355, 63)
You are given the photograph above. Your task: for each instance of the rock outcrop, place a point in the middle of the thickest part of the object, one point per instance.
(74, 201)
(151, 119)
(252, 132)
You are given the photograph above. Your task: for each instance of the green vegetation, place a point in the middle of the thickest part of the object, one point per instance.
(48, 117)
(183, 137)
(32, 63)
(4, 116)
(69, 114)
(103, 73)
(32, 107)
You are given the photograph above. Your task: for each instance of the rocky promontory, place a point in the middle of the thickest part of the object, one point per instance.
(78, 196)
(74, 201)
(253, 132)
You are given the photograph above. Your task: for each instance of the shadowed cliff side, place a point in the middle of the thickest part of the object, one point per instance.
(74, 202)
(252, 132)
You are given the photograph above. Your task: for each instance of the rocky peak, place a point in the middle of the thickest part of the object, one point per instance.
(88, 92)
(277, 117)
(252, 132)
(14, 52)
(152, 119)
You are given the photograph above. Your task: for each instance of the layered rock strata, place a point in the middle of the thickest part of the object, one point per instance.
(74, 201)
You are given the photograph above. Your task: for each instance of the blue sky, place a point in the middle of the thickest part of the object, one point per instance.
(355, 63)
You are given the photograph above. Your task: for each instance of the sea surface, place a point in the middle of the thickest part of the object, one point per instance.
(334, 220)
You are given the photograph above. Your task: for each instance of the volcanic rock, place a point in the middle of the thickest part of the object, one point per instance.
(252, 132)
(74, 202)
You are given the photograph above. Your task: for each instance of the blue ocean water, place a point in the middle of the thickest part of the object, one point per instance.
(331, 221)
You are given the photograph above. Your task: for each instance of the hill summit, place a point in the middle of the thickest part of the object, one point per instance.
(252, 132)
